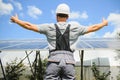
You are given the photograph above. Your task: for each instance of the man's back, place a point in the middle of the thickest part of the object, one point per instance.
(50, 31)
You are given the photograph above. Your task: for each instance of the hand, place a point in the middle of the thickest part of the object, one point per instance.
(14, 18)
(105, 22)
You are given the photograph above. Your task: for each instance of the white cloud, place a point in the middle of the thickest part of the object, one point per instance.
(74, 15)
(114, 19)
(18, 5)
(34, 11)
(111, 34)
(5, 8)
(74, 23)
(78, 15)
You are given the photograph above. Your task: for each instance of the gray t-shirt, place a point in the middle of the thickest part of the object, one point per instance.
(50, 31)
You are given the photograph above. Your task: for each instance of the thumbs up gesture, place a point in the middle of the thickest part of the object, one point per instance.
(14, 19)
(105, 22)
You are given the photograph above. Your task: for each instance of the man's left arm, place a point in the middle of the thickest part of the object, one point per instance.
(97, 26)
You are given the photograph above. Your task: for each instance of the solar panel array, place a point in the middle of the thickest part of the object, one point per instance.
(86, 43)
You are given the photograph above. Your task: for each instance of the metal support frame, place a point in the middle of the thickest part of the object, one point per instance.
(27, 55)
(2, 69)
(38, 69)
(81, 54)
(37, 63)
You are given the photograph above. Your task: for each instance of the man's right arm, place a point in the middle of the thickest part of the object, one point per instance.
(24, 24)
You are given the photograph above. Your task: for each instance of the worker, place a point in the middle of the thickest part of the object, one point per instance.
(61, 37)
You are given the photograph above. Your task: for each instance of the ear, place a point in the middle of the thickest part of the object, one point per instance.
(67, 17)
(57, 18)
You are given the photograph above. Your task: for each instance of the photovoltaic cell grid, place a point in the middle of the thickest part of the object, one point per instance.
(86, 43)
(23, 44)
(110, 43)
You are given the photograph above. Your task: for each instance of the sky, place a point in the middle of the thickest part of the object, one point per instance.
(84, 12)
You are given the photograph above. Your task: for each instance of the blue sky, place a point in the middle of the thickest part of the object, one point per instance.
(84, 12)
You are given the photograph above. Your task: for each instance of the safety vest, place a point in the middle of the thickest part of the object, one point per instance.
(62, 40)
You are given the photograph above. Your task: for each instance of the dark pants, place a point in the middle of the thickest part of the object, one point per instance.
(60, 71)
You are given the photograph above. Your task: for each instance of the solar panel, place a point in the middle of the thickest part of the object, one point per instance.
(23, 44)
(108, 43)
(86, 43)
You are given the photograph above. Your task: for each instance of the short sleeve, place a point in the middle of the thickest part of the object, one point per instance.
(43, 28)
(76, 27)
(82, 30)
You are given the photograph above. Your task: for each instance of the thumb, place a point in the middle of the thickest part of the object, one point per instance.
(16, 15)
(103, 19)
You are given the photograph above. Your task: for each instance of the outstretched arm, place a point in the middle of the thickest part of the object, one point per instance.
(24, 24)
(97, 26)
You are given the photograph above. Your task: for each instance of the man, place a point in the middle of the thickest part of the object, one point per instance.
(61, 37)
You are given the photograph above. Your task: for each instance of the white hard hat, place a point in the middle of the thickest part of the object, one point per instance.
(63, 8)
